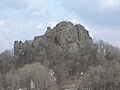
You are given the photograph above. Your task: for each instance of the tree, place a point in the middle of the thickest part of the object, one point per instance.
(106, 77)
(35, 74)
(6, 59)
(108, 51)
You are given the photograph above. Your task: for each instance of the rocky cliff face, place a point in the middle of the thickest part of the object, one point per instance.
(67, 49)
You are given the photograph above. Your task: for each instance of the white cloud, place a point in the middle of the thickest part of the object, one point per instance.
(40, 26)
(15, 4)
(4, 44)
(110, 3)
(110, 35)
(35, 4)
(2, 22)
(74, 21)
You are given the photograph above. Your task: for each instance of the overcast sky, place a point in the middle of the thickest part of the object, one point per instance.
(24, 19)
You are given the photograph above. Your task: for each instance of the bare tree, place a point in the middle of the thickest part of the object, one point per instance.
(32, 76)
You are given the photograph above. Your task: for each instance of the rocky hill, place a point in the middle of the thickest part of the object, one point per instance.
(67, 49)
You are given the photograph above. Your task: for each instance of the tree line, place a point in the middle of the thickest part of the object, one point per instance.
(103, 74)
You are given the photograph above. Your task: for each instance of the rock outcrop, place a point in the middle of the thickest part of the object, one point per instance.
(67, 49)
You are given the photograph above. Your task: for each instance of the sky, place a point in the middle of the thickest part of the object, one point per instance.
(25, 19)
